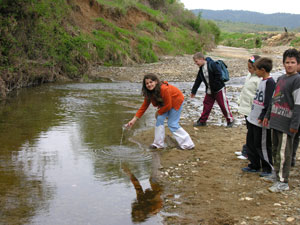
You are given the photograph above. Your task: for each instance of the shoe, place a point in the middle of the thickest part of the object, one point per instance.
(279, 187)
(249, 170)
(238, 153)
(152, 147)
(242, 157)
(230, 124)
(270, 179)
(199, 124)
(265, 174)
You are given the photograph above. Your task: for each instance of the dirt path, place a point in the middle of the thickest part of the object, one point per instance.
(206, 185)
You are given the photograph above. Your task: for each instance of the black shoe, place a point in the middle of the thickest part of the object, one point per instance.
(249, 170)
(199, 124)
(230, 124)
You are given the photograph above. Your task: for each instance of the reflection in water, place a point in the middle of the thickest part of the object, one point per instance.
(148, 202)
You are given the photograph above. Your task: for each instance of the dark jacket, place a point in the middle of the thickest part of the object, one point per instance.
(214, 75)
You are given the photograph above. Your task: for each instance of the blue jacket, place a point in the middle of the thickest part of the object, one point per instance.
(214, 76)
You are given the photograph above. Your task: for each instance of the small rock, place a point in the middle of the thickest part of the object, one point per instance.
(290, 219)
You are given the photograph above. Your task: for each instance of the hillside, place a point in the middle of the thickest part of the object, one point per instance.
(291, 21)
(52, 40)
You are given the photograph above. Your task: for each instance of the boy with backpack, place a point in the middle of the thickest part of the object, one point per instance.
(284, 119)
(210, 73)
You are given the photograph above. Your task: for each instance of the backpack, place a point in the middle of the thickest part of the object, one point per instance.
(223, 67)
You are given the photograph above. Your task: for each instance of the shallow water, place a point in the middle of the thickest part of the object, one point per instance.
(63, 153)
(61, 156)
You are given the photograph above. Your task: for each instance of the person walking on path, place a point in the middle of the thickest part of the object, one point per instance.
(246, 97)
(210, 74)
(284, 119)
(169, 100)
(259, 145)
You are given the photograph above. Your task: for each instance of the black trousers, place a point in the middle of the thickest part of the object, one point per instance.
(259, 148)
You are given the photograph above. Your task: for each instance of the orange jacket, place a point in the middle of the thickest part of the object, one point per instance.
(172, 97)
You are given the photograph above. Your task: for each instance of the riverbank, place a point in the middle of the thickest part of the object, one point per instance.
(206, 185)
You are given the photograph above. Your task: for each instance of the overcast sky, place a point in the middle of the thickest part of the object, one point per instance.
(263, 6)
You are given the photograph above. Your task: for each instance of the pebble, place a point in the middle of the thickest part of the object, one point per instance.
(290, 219)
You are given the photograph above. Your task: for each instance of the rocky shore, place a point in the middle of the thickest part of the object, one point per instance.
(182, 68)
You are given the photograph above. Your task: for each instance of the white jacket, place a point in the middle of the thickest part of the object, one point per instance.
(248, 93)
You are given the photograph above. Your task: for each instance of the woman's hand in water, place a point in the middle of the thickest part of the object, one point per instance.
(131, 122)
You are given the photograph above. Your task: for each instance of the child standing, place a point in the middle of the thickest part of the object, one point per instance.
(246, 97)
(169, 101)
(210, 74)
(284, 119)
(259, 145)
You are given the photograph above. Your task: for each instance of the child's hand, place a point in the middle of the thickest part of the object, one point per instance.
(192, 95)
(259, 121)
(265, 122)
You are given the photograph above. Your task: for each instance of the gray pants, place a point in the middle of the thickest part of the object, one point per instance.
(282, 147)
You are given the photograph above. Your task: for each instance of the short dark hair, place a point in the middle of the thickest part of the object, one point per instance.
(292, 52)
(264, 63)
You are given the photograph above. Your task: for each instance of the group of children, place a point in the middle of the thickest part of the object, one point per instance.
(273, 119)
(271, 110)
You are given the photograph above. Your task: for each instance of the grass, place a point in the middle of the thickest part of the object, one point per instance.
(245, 40)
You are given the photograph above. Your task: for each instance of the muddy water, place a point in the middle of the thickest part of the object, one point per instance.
(65, 159)
(61, 156)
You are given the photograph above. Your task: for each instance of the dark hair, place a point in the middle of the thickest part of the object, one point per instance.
(253, 59)
(154, 94)
(264, 63)
(292, 52)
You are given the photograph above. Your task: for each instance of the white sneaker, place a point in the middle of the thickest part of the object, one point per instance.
(279, 187)
(242, 157)
(238, 153)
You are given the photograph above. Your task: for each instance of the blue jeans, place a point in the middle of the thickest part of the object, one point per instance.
(173, 119)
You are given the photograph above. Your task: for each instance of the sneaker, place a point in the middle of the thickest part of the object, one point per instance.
(152, 147)
(270, 179)
(238, 153)
(265, 174)
(199, 124)
(279, 187)
(242, 157)
(230, 124)
(249, 170)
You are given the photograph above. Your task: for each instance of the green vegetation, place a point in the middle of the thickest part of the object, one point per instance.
(244, 40)
(42, 40)
(296, 42)
(227, 26)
